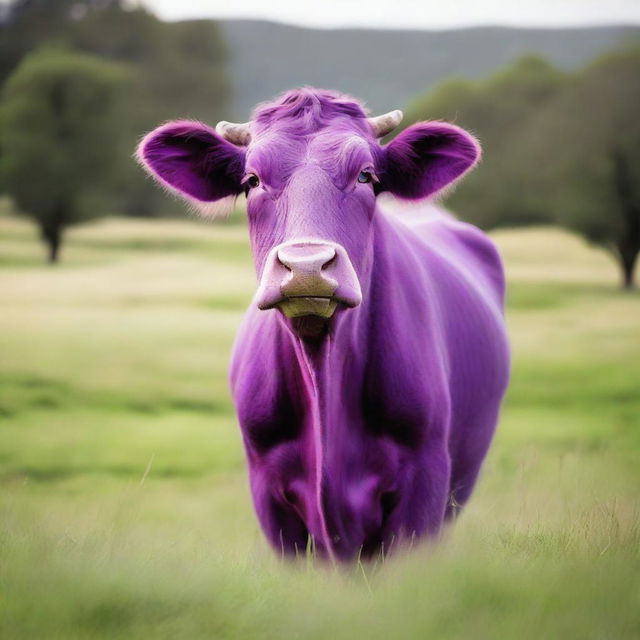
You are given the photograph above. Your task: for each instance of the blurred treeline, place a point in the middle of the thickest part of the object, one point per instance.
(559, 147)
(83, 80)
(171, 70)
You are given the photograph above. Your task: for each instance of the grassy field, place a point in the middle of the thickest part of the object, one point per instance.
(124, 507)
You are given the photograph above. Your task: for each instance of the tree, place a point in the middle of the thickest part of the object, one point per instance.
(496, 109)
(177, 69)
(60, 137)
(558, 148)
(27, 23)
(584, 157)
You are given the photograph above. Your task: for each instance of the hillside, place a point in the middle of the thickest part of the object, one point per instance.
(388, 68)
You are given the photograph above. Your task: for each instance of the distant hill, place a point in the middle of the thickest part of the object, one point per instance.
(389, 68)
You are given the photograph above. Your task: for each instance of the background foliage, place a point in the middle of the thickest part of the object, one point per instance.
(548, 158)
(71, 106)
(558, 147)
(177, 70)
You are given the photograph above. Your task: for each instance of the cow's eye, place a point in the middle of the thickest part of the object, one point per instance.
(252, 181)
(365, 176)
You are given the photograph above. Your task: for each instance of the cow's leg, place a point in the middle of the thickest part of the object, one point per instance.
(284, 528)
(438, 466)
(468, 454)
(423, 496)
(460, 491)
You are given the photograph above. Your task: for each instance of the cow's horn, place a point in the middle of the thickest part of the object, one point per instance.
(385, 123)
(235, 132)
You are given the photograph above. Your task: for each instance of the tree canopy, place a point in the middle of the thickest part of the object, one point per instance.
(177, 69)
(558, 148)
(60, 137)
(496, 110)
(587, 148)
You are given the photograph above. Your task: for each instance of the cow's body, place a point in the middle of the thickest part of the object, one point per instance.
(369, 370)
(410, 385)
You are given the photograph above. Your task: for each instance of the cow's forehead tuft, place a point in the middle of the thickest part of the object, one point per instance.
(302, 112)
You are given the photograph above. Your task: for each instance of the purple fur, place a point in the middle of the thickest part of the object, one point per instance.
(369, 428)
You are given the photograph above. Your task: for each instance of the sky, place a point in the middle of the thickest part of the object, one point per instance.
(415, 14)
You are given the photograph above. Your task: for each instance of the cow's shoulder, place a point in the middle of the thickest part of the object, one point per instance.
(451, 251)
(476, 242)
(471, 252)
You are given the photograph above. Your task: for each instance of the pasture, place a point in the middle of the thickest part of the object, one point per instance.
(124, 506)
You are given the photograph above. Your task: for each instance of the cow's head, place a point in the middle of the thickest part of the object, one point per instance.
(311, 166)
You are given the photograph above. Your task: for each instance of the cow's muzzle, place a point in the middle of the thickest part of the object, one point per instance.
(308, 278)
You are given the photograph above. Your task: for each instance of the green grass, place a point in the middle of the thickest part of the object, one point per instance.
(124, 507)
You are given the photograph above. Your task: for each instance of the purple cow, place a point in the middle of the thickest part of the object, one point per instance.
(369, 370)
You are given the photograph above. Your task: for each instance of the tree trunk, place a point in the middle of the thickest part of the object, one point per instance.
(52, 236)
(628, 245)
(628, 263)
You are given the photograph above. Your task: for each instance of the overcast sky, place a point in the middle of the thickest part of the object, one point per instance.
(417, 14)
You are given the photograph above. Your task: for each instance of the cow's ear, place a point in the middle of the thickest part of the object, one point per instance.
(191, 159)
(427, 157)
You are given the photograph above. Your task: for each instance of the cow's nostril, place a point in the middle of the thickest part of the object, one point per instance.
(329, 262)
(306, 258)
(283, 261)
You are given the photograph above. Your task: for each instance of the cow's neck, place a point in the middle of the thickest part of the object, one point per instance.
(329, 368)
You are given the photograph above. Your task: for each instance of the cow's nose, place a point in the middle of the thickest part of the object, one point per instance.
(310, 269)
(308, 277)
(306, 259)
